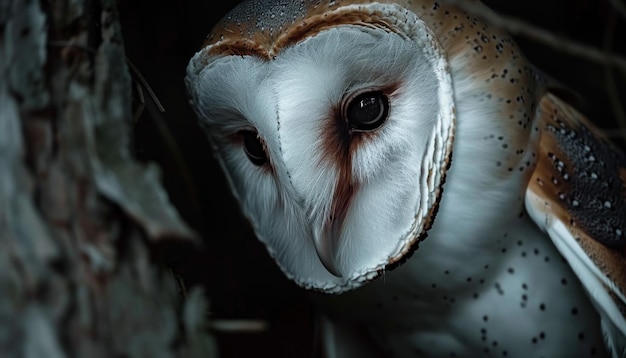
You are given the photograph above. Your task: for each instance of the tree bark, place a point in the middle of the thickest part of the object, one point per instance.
(78, 216)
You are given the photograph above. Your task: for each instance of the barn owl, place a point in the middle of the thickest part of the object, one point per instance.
(404, 158)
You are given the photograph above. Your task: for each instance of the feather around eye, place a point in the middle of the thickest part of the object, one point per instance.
(253, 147)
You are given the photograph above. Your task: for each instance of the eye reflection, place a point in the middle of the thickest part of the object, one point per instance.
(367, 111)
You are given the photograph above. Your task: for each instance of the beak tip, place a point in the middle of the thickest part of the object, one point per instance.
(324, 246)
(332, 268)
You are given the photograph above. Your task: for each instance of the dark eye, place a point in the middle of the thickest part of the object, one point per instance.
(368, 111)
(253, 147)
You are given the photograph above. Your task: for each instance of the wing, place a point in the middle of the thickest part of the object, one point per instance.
(577, 194)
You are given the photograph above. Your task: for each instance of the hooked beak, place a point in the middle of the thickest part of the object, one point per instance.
(327, 229)
(324, 241)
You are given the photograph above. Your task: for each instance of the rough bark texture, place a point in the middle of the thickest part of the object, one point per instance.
(77, 214)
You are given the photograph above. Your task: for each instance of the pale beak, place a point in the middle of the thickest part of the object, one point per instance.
(324, 242)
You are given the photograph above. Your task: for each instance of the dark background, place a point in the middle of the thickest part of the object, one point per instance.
(240, 279)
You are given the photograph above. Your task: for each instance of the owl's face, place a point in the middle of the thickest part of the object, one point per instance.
(334, 128)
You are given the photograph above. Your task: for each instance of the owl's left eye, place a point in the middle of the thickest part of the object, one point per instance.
(367, 111)
(253, 147)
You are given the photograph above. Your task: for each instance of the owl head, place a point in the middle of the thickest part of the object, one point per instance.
(333, 122)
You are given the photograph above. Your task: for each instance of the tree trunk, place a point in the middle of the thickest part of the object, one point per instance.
(78, 216)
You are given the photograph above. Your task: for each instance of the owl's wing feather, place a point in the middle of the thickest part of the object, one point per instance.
(577, 194)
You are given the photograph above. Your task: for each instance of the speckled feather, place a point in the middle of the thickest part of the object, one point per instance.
(487, 281)
(576, 193)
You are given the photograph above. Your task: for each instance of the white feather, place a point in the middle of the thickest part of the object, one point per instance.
(595, 282)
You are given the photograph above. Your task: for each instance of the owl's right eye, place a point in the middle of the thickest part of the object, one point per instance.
(253, 147)
(367, 111)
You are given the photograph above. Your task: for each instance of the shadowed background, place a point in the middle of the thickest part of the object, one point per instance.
(240, 279)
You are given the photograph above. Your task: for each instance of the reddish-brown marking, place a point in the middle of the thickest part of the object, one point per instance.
(240, 48)
(611, 262)
(339, 145)
(338, 148)
(270, 46)
(316, 24)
